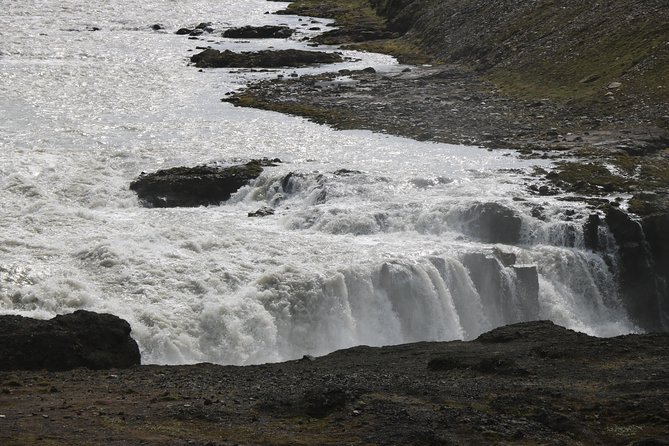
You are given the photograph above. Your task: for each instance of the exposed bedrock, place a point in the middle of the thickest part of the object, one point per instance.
(259, 32)
(79, 339)
(211, 58)
(492, 223)
(643, 250)
(195, 186)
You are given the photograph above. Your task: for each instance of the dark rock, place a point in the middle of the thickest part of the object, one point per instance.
(346, 172)
(79, 339)
(262, 212)
(656, 231)
(203, 25)
(157, 26)
(196, 32)
(507, 258)
(591, 232)
(211, 58)
(538, 213)
(183, 31)
(644, 252)
(547, 191)
(492, 223)
(259, 32)
(195, 186)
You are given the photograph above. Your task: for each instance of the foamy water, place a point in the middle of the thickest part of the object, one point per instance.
(369, 258)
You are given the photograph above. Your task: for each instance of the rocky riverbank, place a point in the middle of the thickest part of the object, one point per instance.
(530, 383)
(528, 76)
(610, 123)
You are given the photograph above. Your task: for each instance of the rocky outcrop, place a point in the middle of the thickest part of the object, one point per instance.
(211, 58)
(79, 339)
(195, 186)
(259, 32)
(491, 223)
(643, 250)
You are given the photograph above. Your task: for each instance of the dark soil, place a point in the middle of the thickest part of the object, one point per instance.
(532, 383)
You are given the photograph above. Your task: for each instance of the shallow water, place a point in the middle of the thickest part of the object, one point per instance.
(369, 258)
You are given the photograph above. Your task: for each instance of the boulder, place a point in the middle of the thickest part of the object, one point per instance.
(195, 186)
(491, 223)
(79, 339)
(211, 58)
(259, 32)
(262, 212)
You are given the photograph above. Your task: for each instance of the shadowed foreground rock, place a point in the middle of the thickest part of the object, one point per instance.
(196, 186)
(80, 339)
(524, 384)
(211, 58)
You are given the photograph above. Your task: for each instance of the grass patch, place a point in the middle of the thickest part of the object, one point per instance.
(346, 13)
(583, 70)
(339, 118)
(402, 49)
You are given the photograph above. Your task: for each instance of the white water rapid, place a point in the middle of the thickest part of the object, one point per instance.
(90, 96)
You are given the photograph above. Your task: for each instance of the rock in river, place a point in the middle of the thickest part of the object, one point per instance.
(195, 186)
(259, 32)
(492, 223)
(79, 339)
(211, 58)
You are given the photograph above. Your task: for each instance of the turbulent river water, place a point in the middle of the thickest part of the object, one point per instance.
(91, 95)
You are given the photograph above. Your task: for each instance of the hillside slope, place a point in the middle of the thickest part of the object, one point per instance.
(568, 50)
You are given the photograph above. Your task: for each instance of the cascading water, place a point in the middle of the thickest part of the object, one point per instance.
(374, 239)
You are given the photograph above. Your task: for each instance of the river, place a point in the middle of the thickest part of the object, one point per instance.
(91, 95)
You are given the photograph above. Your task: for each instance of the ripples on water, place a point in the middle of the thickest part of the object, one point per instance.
(83, 112)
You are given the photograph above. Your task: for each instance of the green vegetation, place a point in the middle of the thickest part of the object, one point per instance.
(346, 13)
(403, 49)
(617, 173)
(339, 118)
(583, 71)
